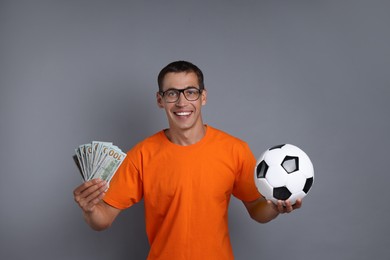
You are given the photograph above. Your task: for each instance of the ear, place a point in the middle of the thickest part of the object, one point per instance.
(159, 100)
(204, 97)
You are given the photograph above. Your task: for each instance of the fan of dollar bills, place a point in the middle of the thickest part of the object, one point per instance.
(98, 160)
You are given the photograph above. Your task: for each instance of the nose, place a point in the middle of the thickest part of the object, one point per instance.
(181, 99)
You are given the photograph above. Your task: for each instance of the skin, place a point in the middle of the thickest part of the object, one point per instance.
(184, 117)
(185, 128)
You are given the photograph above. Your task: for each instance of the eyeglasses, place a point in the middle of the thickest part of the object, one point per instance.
(172, 95)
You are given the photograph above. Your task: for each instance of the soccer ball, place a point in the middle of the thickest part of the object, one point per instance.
(284, 172)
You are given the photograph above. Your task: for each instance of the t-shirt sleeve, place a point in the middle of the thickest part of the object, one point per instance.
(244, 185)
(126, 186)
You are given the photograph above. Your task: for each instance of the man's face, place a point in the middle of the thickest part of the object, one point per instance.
(182, 114)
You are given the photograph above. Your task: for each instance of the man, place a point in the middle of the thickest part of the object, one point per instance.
(185, 174)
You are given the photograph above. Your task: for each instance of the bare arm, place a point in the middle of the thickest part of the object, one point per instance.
(263, 210)
(98, 214)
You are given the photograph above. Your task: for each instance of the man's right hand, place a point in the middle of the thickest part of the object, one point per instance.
(89, 194)
(98, 214)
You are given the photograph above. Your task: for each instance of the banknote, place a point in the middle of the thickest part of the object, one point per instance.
(98, 160)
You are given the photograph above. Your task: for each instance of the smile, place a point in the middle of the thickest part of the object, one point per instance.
(183, 113)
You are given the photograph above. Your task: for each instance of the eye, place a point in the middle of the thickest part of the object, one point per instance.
(171, 93)
(192, 92)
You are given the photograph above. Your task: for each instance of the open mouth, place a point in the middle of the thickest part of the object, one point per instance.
(187, 113)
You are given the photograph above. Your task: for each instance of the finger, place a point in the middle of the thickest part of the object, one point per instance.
(298, 204)
(288, 206)
(90, 190)
(80, 189)
(281, 207)
(96, 194)
(91, 205)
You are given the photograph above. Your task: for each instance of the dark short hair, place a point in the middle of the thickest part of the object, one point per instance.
(180, 66)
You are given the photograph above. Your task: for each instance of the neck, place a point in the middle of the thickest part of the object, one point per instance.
(186, 137)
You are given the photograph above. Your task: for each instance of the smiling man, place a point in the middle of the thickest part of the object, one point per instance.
(186, 175)
(182, 95)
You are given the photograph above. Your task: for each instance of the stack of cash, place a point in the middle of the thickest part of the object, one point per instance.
(98, 160)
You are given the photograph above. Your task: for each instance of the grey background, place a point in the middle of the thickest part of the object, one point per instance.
(311, 73)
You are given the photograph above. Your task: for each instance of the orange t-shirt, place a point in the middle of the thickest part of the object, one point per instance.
(186, 191)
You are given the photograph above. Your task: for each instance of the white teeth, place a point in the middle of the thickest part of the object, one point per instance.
(183, 113)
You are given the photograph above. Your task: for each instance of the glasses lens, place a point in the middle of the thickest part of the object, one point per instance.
(191, 94)
(171, 95)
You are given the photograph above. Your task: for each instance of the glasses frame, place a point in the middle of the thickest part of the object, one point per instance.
(180, 91)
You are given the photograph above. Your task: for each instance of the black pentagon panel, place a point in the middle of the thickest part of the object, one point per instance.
(281, 193)
(308, 184)
(276, 147)
(290, 164)
(262, 169)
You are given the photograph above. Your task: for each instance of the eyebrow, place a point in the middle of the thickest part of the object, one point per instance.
(172, 88)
